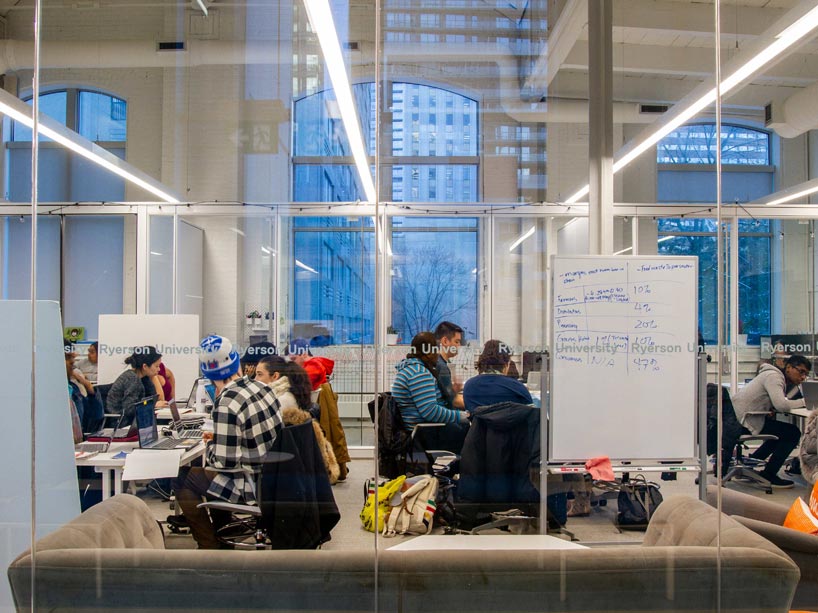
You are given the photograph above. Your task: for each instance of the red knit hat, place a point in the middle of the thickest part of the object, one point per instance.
(318, 369)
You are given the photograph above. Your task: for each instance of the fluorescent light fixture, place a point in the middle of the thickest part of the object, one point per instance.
(19, 111)
(530, 232)
(301, 264)
(665, 238)
(201, 5)
(236, 230)
(625, 250)
(474, 271)
(791, 193)
(783, 41)
(156, 253)
(320, 16)
(265, 251)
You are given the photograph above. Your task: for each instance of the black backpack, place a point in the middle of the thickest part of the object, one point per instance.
(393, 438)
(637, 502)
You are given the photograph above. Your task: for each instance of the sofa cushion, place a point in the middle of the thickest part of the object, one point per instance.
(120, 522)
(681, 520)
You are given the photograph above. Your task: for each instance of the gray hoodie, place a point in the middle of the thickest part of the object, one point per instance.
(764, 393)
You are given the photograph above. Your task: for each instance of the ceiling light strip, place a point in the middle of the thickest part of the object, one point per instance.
(791, 193)
(320, 16)
(681, 114)
(16, 109)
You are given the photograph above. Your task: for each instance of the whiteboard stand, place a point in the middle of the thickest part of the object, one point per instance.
(702, 412)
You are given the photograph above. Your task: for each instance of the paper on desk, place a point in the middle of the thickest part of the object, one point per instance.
(149, 464)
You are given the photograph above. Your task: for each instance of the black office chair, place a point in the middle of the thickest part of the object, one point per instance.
(499, 472)
(295, 506)
(735, 438)
(402, 451)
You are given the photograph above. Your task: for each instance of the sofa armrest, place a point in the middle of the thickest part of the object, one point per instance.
(744, 505)
(785, 538)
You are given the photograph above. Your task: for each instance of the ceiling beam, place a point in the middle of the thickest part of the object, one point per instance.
(561, 40)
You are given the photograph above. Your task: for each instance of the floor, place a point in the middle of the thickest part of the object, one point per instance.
(597, 529)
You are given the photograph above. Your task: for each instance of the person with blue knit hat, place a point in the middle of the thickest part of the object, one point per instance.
(246, 420)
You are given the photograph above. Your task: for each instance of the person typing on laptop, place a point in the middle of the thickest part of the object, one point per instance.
(246, 420)
(767, 393)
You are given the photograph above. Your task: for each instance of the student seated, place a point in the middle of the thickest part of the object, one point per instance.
(246, 419)
(419, 398)
(165, 384)
(292, 387)
(755, 405)
(89, 364)
(492, 384)
(135, 383)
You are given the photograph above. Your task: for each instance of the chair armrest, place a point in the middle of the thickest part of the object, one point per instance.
(230, 507)
(784, 538)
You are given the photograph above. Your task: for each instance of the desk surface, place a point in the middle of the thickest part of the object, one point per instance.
(800, 412)
(482, 542)
(107, 460)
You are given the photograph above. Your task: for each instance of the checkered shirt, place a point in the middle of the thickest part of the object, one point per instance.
(246, 419)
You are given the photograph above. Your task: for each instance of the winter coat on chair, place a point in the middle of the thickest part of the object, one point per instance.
(298, 510)
(331, 425)
(293, 416)
(501, 449)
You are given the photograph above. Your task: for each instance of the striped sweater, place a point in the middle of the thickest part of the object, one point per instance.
(418, 397)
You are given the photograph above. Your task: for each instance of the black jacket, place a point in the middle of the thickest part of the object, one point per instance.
(501, 448)
(298, 509)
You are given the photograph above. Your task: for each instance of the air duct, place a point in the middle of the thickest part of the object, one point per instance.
(795, 115)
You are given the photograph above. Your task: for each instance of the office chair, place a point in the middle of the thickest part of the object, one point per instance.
(295, 507)
(735, 438)
(499, 472)
(402, 451)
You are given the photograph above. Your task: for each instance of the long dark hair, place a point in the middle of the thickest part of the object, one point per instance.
(300, 386)
(424, 348)
(495, 356)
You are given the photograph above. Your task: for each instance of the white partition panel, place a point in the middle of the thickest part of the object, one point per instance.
(57, 493)
(175, 336)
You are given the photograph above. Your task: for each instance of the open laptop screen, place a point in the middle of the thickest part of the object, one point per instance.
(146, 420)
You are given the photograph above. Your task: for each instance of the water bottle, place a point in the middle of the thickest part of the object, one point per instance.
(201, 396)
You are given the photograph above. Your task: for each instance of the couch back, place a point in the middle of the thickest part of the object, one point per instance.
(677, 575)
(120, 522)
(690, 522)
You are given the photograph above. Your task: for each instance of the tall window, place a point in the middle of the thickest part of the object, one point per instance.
(686, 173)
(698, 237)
(64, 176)
(433, 158)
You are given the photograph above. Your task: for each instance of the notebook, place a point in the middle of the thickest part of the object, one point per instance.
(148, 433)
(810, 391)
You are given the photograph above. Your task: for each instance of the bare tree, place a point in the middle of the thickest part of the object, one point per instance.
(432, 285)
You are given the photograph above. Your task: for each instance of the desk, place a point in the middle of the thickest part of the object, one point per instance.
(111, 468)
(484, 542)
(804, 413)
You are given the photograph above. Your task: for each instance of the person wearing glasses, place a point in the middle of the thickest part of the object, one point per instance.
(767, 393)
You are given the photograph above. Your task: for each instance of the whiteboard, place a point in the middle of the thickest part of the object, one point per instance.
(176, 337)
(623, 365)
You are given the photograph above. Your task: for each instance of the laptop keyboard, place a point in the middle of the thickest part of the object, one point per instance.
(166, 443)
(190, 433)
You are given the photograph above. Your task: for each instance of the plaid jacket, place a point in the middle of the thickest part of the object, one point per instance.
(246, 419)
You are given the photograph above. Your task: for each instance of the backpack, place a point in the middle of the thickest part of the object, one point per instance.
(637, 503)
(414, 509)
(393, 438)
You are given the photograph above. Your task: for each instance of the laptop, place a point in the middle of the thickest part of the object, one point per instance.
(209, 388)
(148, 432)
(810, 391)
(192, 430)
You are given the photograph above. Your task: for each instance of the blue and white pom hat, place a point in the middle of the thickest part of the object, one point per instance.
(217, 359)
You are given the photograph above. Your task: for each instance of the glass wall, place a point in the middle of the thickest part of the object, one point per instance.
(337, 179)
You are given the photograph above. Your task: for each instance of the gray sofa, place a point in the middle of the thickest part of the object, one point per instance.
(767, 518)
(112, 558)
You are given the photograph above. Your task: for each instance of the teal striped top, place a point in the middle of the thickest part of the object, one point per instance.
(418, 396)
